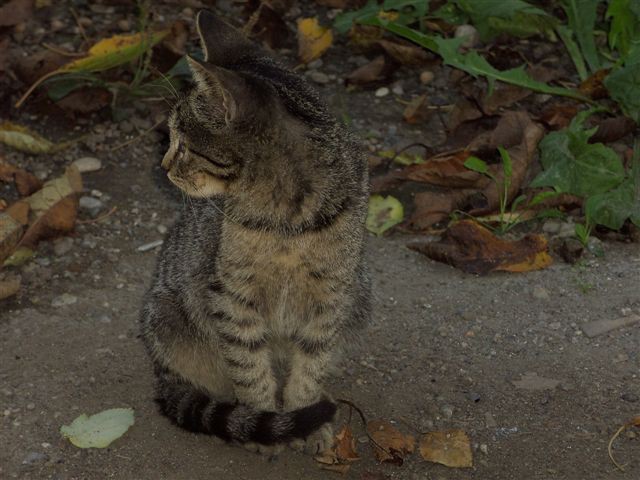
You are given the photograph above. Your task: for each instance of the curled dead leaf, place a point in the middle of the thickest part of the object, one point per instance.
(26, 183)
(417, 111)
(612, 129)
(593, 87)
(54, 208)
(406, 53)
(474, 249)
(343, 452)
(9, 286)
(449, 447)
(12, 222)
(388, 443)
(379, 69)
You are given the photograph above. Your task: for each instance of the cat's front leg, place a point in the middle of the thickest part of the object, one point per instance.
(313, 354)
(247, 357)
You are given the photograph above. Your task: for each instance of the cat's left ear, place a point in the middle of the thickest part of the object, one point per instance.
(220, 84)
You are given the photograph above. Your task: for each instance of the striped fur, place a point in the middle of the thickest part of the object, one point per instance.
(261, 281)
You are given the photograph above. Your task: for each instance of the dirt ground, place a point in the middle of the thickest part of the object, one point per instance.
(445, 350)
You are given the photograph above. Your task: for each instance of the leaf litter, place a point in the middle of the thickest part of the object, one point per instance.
(99, 430)
(449, 447)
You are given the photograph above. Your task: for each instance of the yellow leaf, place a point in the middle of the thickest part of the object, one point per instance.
(106, 54)
(449, 447)
(384, 213)
(313, 40)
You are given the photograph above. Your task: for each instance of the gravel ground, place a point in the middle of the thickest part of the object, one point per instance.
(444, 350)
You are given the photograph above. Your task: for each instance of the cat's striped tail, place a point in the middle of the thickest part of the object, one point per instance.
(196, 411)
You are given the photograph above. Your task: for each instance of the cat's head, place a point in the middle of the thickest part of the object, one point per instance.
(229, 121)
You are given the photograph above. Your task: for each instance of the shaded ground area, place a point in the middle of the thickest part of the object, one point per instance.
(444, 349)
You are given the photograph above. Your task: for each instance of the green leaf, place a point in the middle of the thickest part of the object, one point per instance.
(623, 85)
(384, 213)
(524, 25)
(582, 20)
(517, 201)
(625, 24)
(574, 166)
(541, 197)
(19, 257)
(99, 430)
(477, 165)
(566, 35)
(409, 159)
(506, 164)
(345, 20)
(581, 232)
(61, 86)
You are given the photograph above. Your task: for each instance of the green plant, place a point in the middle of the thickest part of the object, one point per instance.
(583, 232)
(507, 217)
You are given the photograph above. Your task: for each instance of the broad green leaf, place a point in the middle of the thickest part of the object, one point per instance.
(476, 164)
(623, 85)
(409, 159)
(472, 62)
(524, 25)
(99, 430)
(384, 213)
(625, 24)
(572, 165)
(20, 256)
(417, 8)
(541, 197)
(345, 20)
(582, 20)
(23, 139)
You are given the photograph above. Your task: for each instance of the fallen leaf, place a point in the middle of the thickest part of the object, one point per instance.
(593, 87)
(406, 53)
(313, 40)
(599, 327)
(388, 443)
(612, 129)
(99, 430)
(54, 208)
(343, 452)
(364, 38)
(448, 447)
(559, 115)
(447, 170)
(531, 381)
(377, 70)
(417, 111)
(474, 249)
(384, 213)
(32, 67)
(9, 286)
(266, 23)
(86, 100)
(21, 138)
(463, 111)
(105, 54)
(15, 12)
(12, 222)
(26, 183)
(19, 257)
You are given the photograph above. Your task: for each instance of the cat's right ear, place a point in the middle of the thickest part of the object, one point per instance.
(222, 44)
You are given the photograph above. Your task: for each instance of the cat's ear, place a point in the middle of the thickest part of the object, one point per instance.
(221, 84)
(222, 44)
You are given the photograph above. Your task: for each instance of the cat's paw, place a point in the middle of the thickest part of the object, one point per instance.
(266, 450)
(316, 443)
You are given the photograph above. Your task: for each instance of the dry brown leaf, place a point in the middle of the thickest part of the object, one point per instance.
(364, 38)
(388, 443)
(266, 22)
(593, 87)
(474, 249)
(343, 452)
(449, 447)
(406, 53)
(54, 208)
(15, 11)
(86, 100)
(26, 183)
(313, 40)
(417, 111)
(559, 115)
(462, 111)
(12, 222)
(9, 286)
(446, 170)
(377, 70)
(612, 129)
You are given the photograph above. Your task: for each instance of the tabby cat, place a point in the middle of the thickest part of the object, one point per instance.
(261, 281)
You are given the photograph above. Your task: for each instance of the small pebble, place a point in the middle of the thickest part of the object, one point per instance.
(34, 457)
(63, 300)
(124, 25)
(397, 89)
(31, 406)
(316, 64)
(91, 205)
(629, 397)
(161, 229)
(382, 92)
(484, 449)
(62, 246)
(88, 164)
(474, 396)
(319, 77)
(149, 246)
(447, 411)
(426, 77)
(540, 293)
(472, 38)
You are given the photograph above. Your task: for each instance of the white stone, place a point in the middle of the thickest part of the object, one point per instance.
(382, 92)
(88, 164)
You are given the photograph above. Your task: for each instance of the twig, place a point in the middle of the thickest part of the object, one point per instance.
(62, 52)
(100, 218)
(635, 421)
(80, 27)
(253, 20)
(129, 142)
(411, 145)
(353, 406)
